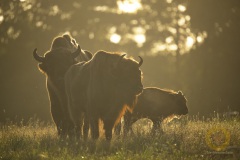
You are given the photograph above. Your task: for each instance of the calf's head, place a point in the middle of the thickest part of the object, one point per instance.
(181, 104)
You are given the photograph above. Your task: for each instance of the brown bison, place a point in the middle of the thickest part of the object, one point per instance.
(155, 104)
(103, 88)
(54, 65)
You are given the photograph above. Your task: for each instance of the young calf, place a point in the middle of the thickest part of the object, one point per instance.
(155, 104)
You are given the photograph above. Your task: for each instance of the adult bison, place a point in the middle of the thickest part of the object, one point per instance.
(155, 104)
(103, 88)
(54, 65)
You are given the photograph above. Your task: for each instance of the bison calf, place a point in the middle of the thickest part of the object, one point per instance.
(155, 104)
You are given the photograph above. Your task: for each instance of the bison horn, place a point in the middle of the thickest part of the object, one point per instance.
(76, 53)
(141, 61)
(36, 56)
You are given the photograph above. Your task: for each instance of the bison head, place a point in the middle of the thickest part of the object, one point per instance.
(128, 75)
(181, 102)
(64, 41)
(68, 42)
(56, 62)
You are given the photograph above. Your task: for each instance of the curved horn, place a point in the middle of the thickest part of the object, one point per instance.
(141, 61)
(76, 53)
(36, 56)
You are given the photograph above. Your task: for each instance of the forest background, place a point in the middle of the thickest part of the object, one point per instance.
(188, 45)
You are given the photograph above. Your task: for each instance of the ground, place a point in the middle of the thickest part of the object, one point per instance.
(187, 138)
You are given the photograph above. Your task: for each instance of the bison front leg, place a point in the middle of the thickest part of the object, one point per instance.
(156, 126)
(108, 126)
(117, 129)
(127, 123)
(85, 127)
(94, 128)
(57, 117)
(56, 111)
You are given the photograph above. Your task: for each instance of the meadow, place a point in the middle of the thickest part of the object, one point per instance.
(186, 138)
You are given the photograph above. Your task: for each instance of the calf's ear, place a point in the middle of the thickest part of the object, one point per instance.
(180, 93)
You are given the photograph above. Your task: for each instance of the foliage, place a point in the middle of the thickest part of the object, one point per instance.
(208, 76)
(158, 26)
(181, 140)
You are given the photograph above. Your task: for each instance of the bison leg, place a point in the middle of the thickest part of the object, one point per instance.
(85, 128)
(127, 123)
(76, 130)
(108, 126)
(156, 126)
(117, 129)
(108, 132)
(94, 128)
(56, 111)
(57, 117)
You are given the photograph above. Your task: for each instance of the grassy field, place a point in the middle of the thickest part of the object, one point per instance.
(182, 139)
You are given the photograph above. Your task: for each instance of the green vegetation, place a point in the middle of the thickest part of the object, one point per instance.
(184, 139)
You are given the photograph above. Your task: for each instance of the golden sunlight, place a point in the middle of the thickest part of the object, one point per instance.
(189, 42)
(139, 39)
(181, 8)
(169, 1)
(115, 38)
(172, 47)
(169, 39)
(1, 18)
(199, 39)
(129, 6)
(181, 21)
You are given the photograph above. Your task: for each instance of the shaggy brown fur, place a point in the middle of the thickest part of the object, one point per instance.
(54, 65)
(156, 104)
(101, 88)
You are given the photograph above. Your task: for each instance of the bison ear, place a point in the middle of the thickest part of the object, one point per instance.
(74, 42)
(67, 37)
(36, 56)
(77, 52)
(88, 54)
(180, 93)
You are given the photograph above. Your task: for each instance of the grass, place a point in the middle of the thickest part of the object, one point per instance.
(183, 139)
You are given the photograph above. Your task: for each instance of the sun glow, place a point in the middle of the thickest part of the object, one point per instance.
(190, 41)
(129, 6)
(115, 38)
(181, 8)
(1, 18)
(139, 39)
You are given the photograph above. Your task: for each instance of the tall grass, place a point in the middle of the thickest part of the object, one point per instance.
(182, 139)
